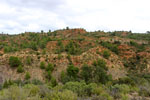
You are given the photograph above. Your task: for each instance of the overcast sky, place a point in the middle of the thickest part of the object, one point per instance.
(18, 16)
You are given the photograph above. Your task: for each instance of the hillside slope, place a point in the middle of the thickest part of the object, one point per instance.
(48, 55)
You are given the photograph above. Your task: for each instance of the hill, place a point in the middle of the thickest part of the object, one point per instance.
(86, 65)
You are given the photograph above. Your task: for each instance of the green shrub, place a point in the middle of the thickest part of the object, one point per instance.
(125, 80)
(101, 63)
(50, 67)
(59, 56)
(14, 93)
(42, 65)
(64, 95)
(72, 48)
(44, 52)
(28, 60)
(89, 89)
(72, 71)
(36, 82)
(83, 89)
(20, 69)
(123, 88)
(33, 89)
(49, 75)
(139, 47)
(33, 46)
(144, 90)
(64, 77)
(7, 83)
(102, 97)
(120, 91)
(27, 76)
(106, 54)
(14, 61)
(61, 47)
(8, 49)
(53, 82)
(112, 47)
(76, 87)
(69, 58)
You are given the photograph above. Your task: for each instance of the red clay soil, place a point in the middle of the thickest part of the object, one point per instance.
(126, 51)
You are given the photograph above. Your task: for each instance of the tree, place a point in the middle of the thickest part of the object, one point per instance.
(67, 28)
(49, 31)
(100, 72)
(42, 31)
(86, 73)
(14, 61)
(100, 75)
(72, 71)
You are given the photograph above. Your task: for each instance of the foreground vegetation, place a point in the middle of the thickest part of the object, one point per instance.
(122, 89)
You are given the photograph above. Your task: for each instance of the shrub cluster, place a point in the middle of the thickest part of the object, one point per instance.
(14, 61)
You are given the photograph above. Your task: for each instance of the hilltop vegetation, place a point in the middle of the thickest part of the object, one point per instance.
(73, 64)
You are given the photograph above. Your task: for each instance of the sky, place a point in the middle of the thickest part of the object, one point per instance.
(17, 16)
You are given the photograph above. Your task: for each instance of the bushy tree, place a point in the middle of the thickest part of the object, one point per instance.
(14, 61)
(72, 71)
(86, 73)
(100, 75)
(100, 72)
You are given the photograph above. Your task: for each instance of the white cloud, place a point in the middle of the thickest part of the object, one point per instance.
(34, 15)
